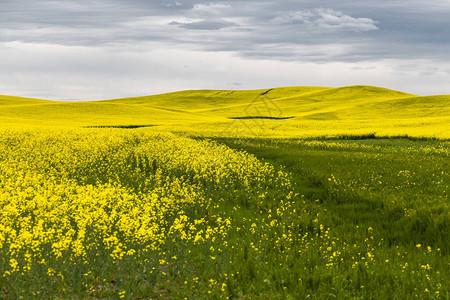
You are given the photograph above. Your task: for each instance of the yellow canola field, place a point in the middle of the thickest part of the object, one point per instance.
(288, 112)
(91, 198)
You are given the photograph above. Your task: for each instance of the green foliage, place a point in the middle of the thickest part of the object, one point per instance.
(388, 196)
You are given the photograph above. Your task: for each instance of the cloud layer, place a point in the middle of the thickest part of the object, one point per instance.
(326, 20)
(394, 39)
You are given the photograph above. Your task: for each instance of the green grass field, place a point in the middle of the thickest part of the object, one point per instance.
(285, 193)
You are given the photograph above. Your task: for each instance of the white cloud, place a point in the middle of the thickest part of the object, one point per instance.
(174, 4)
(212, 8)
(326, 19)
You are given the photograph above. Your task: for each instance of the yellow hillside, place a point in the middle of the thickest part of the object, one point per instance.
(10, 100)
(278, 112)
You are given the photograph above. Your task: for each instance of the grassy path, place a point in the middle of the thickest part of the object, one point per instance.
(404, 197)
(390, 193)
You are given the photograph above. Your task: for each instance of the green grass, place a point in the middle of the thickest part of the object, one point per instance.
(398, 178)
(398, 188)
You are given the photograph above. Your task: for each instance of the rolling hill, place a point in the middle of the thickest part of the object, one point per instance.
(277, 112)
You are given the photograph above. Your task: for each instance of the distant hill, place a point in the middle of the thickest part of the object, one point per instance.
(276, 112)
(10, 100)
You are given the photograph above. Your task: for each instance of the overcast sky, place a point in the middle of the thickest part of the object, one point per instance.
(86, 50)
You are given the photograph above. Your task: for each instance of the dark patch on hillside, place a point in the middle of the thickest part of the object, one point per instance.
(374, 136)
(266, 92)
(121, 126)
(322, 116)
(260, 117)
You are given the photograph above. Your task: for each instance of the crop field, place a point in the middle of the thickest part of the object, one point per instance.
(286, 193)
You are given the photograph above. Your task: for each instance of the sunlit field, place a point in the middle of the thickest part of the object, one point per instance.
(294, 112)
(287, 193)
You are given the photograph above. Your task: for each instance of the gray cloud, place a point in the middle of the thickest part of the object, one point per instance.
(209, 24)
(245, 27)
(297, 32)
(326, 19)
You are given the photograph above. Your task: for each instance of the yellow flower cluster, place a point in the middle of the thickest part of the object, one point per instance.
(71, 198)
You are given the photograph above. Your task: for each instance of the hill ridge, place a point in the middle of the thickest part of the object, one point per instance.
(181, 92)
(275, 112)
